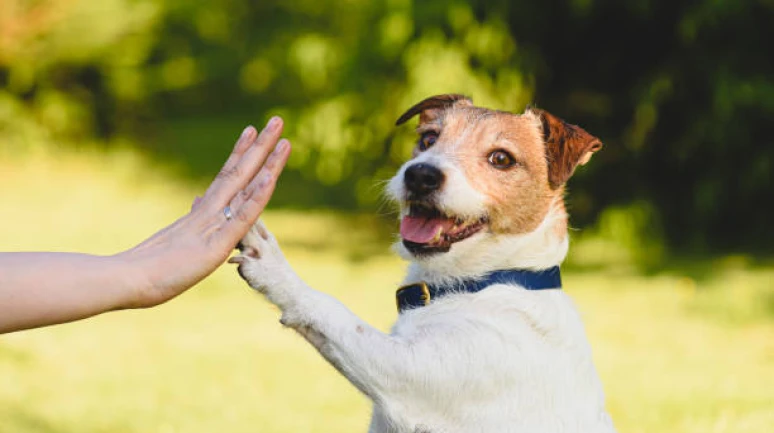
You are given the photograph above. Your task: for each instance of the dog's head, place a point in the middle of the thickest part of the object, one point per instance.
(484, 182)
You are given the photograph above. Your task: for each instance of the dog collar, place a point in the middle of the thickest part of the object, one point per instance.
(420, 294)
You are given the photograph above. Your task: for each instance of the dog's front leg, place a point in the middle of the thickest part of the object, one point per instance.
(377, 363)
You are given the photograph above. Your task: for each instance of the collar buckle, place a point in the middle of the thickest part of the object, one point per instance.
(413, 295)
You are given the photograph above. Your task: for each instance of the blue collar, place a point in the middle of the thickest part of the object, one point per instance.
(420, 294)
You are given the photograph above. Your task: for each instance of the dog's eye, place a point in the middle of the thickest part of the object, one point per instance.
(427, 140)
(501, 159)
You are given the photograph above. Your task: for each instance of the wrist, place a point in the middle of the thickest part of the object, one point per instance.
(131, 281)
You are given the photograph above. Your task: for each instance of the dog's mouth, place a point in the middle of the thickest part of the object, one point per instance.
(426, 230)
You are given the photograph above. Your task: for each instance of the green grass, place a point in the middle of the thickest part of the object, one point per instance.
(679, 351)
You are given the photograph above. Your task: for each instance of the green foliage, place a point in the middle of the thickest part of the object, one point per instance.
(627, 237)
(681, 93)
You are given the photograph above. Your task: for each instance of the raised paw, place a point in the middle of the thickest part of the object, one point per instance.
(260, 258)
(250, 245)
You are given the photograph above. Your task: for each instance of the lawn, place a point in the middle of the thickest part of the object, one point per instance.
(688, 349)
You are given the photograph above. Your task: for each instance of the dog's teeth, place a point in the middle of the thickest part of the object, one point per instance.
(437, 236)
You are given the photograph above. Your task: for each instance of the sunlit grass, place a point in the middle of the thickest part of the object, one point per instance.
(682, 352)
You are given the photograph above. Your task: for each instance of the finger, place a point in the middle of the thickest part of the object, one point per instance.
(258, 193)
(239, 199)
(233, 171)
(243, 143)
(261, 188)
(234, 204)
(196, 202)
(236, 175)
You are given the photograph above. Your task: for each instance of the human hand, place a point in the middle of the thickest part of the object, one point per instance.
(184, 253)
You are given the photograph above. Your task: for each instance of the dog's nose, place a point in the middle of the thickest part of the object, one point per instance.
(422, 179)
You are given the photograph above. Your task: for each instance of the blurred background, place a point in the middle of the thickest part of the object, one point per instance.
(115, 114)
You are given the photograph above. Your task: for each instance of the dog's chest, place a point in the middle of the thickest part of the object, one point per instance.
(509, 357)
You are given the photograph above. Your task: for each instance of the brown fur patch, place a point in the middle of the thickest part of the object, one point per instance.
(518, 198)
(429, 106)
(567, 146)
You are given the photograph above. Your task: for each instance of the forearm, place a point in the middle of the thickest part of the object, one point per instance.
(39, 289)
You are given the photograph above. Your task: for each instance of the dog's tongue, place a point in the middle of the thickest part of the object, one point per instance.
(422, 230)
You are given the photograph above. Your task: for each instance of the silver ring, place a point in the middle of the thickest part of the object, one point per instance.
(227, 213)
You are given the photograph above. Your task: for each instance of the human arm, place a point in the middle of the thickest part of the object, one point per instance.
(39, 289)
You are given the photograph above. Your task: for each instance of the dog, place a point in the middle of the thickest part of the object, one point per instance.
(486, 340)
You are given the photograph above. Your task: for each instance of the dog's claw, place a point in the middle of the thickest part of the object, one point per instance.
(262, 231)
(236, 260)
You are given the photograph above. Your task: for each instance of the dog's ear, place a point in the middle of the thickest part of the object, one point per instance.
(432, 106)
(567, 146)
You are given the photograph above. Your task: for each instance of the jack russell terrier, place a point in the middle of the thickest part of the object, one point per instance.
(486, 340)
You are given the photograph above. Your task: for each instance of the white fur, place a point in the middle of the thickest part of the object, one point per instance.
(457, 197)
(504, 359)
(483, 252)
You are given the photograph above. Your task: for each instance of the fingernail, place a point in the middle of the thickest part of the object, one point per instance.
(283, 145)
(273, 123)
(246, 131)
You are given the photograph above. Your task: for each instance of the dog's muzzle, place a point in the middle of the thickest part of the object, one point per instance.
(422, 179)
